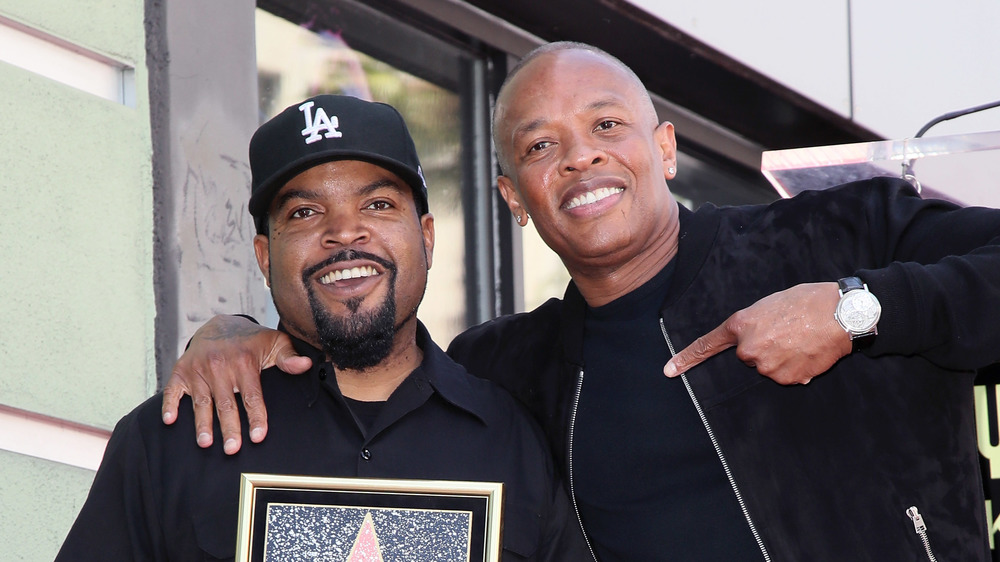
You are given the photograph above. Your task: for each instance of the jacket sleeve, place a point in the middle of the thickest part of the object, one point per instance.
(117, 522)
(564, 540)
(510, 350)
(938, 277)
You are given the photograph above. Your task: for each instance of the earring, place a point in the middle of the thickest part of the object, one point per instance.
(517, 218)
(671, 170)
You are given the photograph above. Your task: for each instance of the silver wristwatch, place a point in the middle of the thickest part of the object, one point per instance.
(858, 310)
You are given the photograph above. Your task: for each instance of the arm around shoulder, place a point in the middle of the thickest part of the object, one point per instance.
(226, 357)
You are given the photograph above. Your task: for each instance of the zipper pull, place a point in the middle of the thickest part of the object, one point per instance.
(921, 528)
(918, 520)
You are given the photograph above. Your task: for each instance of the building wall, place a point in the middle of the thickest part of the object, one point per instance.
(76, 324)
(890, 65)
(914, 61)
(204, 85)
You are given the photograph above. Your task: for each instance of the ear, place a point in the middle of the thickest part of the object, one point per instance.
(427, 228)
(509, 194)
(664, 137)
(262, 249)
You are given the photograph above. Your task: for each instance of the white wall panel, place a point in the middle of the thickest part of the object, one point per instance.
(914, 61)
(799, 43)
(896, 66)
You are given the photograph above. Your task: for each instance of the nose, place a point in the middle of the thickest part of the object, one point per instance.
(581, 152)
(344, 227)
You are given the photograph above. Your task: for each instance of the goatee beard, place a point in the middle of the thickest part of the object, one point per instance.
(362, 339)
(359, 340)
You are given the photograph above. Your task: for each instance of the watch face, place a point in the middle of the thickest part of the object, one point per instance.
(858, 311)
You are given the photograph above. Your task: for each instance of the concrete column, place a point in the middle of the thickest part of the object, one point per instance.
(204, 109)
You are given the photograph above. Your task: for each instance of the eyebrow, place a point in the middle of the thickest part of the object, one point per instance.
(311, 195)
(527, 128)
(602, 103)
(380, 183)
(535, 124)
(287, 196)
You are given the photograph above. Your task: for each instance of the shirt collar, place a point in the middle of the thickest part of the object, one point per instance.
(436, 371)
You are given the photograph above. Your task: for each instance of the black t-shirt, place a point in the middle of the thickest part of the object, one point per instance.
(647, 479)
(365, 412)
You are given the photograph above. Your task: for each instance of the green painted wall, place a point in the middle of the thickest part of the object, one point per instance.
(76, 244)
(39, 501)
(76, 258)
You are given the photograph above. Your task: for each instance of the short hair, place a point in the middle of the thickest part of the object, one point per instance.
(545, 49)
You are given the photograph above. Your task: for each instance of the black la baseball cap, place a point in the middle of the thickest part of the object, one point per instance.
(325, 128)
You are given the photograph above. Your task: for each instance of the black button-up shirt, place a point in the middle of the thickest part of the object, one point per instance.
(158, 496)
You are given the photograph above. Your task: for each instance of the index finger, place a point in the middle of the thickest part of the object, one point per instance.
(716, 341)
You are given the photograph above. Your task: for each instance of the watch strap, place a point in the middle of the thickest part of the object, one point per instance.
(850, 284)
(863, 342)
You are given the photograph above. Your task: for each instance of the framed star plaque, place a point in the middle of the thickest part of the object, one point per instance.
(300, 518)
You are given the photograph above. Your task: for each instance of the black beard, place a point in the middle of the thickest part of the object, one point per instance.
(361, 340)
(358, 341)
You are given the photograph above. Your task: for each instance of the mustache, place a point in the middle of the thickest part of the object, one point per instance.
(348, 255)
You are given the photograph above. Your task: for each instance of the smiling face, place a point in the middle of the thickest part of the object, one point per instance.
(585, 158)
(346, 257)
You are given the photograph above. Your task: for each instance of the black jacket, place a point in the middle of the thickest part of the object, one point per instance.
(825, 471)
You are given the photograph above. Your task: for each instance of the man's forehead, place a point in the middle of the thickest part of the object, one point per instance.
(568, 68)
(570, 63)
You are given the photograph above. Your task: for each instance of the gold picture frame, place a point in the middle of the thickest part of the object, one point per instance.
(290, 518)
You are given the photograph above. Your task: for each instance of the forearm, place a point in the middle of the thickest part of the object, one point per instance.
(940, 286)
(945, 312)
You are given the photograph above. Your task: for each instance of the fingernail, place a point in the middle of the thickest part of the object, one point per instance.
(230, 446)
(204, 440)
(256, 434)
(168, 417)
(670, 370)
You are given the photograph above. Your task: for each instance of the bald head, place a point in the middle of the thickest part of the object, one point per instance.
(568, 53)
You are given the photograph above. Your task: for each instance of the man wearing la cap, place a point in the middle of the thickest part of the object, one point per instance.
(345, 242)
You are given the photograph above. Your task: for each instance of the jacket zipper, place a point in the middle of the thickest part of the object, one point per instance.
(921, 528)
(569, 461)
(718, 450)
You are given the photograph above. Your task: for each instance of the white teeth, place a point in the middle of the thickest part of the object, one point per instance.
(352, 273)
(593, 196)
